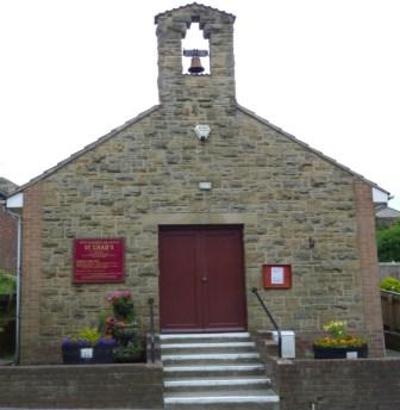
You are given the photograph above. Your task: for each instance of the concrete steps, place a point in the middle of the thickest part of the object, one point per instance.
(214, 371)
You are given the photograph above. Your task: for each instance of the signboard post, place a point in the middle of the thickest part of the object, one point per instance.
(98, 260)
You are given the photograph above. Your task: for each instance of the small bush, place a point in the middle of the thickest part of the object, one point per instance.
(391, 284)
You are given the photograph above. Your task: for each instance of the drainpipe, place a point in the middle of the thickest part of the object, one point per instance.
(19, 273)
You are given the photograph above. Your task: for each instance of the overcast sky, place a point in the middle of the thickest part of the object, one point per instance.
(326, 71)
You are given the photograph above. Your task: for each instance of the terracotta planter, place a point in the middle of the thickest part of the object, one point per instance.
(340, 352)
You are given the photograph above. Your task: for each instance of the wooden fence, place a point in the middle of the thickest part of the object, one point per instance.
(391, 310)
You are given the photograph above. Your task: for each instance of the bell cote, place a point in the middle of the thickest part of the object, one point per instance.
(195, 56)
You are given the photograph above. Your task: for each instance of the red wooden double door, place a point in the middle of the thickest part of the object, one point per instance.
(201, 278)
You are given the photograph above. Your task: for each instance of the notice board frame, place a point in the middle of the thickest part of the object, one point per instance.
(108, 274)
(268, 282)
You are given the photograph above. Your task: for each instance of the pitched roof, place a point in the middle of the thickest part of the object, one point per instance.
(89, 147)
(6, 186)
(387, 212)
(155, 108)
(191, 5)
(307, 147)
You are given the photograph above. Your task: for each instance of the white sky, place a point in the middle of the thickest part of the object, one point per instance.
(327, 71)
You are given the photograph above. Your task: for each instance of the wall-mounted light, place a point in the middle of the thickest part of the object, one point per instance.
(202, 131)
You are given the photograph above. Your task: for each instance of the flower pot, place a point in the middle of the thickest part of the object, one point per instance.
(103, 354)
(87, 355)
(340, 352)
(123, 356)
(71, 354)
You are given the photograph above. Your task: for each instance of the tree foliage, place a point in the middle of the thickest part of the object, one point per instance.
(388, 242)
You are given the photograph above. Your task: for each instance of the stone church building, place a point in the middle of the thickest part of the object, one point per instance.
(199, 200)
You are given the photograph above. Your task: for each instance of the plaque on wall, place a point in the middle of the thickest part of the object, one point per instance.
(98, 260)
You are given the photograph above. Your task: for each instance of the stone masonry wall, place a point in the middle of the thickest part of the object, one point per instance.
(135, 386)
(362, 384)
(148, 174)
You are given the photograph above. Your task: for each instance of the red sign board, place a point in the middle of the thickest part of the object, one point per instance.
(98, 260)
(277, 276)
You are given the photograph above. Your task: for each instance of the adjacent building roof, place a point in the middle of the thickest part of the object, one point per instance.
(385, 212)
(6, 187)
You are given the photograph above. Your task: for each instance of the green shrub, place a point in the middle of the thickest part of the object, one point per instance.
(391, 284)
(7, 283)
(90, 335)
(388, 243)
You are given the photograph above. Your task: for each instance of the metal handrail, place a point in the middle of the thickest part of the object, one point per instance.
(271, 318)
(152, 331)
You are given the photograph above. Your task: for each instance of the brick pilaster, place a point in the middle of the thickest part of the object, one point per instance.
(369, 268)
(31, 273)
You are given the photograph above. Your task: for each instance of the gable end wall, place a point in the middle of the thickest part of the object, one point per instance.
(148, 174)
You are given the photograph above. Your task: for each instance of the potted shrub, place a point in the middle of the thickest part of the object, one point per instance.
(338, 343)
(132, 352)
(124, 328)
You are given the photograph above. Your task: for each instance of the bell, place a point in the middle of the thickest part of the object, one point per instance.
(195, 66)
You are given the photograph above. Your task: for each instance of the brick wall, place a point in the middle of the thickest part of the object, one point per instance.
(8, 241)
(369, 268)
(362, 384)
(134, 386)
(32, 276)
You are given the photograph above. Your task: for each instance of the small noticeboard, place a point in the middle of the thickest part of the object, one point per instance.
(277, 276)
(98, 260)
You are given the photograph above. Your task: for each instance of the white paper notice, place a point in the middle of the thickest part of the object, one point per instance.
(87, 353)
(277, 276)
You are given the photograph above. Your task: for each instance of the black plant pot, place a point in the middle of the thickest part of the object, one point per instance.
(340, 352)
(101, 354)
(71, 355)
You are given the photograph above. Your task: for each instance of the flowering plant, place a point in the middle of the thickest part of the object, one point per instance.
(121, 301)
(338, 336)
(87, 337)
(118, 297)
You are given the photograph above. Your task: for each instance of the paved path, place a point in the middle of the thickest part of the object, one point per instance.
(392, 353)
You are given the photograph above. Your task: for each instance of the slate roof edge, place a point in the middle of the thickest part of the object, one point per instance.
(309, 148)
(189, 5)
(85, 149)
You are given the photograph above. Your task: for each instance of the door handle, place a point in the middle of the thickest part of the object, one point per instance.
(204, 279)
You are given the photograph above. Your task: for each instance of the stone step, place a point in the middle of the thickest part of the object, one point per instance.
(242, 399)
(272, 347)
(209, 357)
(214, 370)
(204, 337)
(207, 347)
(213, 384)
